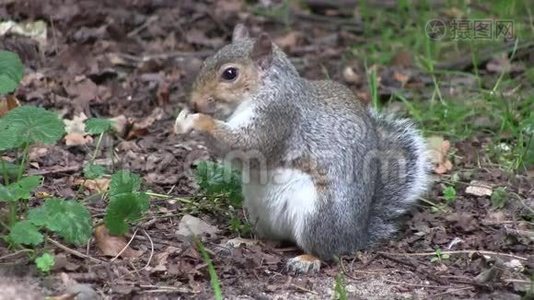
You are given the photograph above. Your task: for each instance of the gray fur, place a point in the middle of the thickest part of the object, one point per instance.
(375, 166)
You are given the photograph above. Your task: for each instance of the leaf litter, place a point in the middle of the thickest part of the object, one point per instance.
(118, 61)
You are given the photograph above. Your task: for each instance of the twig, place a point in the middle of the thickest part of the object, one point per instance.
(15, 254)
(413, 267)
(140, 28)
(303, 289)
(67, 169)
(151, 250)
(457, 252)
(342, 265)
(125, 247)
(73, 252)
(159, 289)
(416, 284)
(434, 296)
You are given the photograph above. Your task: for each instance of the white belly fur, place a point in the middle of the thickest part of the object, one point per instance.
(278, 208)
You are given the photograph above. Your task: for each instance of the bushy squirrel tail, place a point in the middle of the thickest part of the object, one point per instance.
(403, 174)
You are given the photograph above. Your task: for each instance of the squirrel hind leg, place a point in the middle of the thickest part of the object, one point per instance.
(302, 264)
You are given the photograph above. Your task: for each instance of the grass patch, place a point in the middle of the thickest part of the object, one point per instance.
(460, 104)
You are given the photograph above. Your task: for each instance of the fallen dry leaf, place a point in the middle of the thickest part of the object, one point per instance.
(7, 103)
(76, 124)
(99, 185)
(160, 259)
(500, 64)
(479, 188)
(288, 41)
(402, 59)
(438, 149)
(113, 245)
(38, 152)
(36, 30)
(75, 129)
(120, 124)
(238, 242)
(401, 77)
(139, 127)
(193, 226)
(77, 139)
(351, 76)
(229, 6)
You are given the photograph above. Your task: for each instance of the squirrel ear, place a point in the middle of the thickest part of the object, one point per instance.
(240, 33)
(262, 51)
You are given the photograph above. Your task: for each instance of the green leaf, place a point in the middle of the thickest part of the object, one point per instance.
(449, 193)
(126, 202)
(340, 288)
(5, 194)
(124, 182)
(216, 179)
(499, 197)
(29, 124)
(98, 125)
(21, 189)
(123, 208)
(69, 219)
(45, 262)
(214, 279)
(8, 139)
(25, 233)
(92, 171)
(11, 71)
(8, 169)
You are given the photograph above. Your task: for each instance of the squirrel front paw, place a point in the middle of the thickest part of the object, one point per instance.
(186, 122)
(302, 264)
(183, 123)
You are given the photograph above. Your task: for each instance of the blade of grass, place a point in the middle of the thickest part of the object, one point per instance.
(214, 279)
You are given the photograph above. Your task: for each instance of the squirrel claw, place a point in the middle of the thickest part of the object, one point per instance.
(305, 263)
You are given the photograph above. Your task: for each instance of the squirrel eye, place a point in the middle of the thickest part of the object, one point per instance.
(229, 74)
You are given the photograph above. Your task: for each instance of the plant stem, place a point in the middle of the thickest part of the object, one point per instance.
(22, 166)
(4, 172)
(13, 205)
(98, 142)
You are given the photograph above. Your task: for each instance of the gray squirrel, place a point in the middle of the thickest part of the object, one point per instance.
(320, 169)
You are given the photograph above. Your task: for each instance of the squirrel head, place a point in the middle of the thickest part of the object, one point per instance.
(237, 73)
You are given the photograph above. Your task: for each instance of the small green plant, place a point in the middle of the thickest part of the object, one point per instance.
(92, 171)
(127, 202)
(45, 262)
(239, 226)
(214, 279)
(449, 194)
(220, 182)
(20, 128)
(96, 126)
(340, 289)
(439, 256)
(217, 180)
(499, 197)
(11, 72)
(373, 87)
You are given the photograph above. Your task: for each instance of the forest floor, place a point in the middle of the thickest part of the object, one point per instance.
(472, 236)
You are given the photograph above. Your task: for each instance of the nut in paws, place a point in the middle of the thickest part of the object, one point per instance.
(185, 122)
